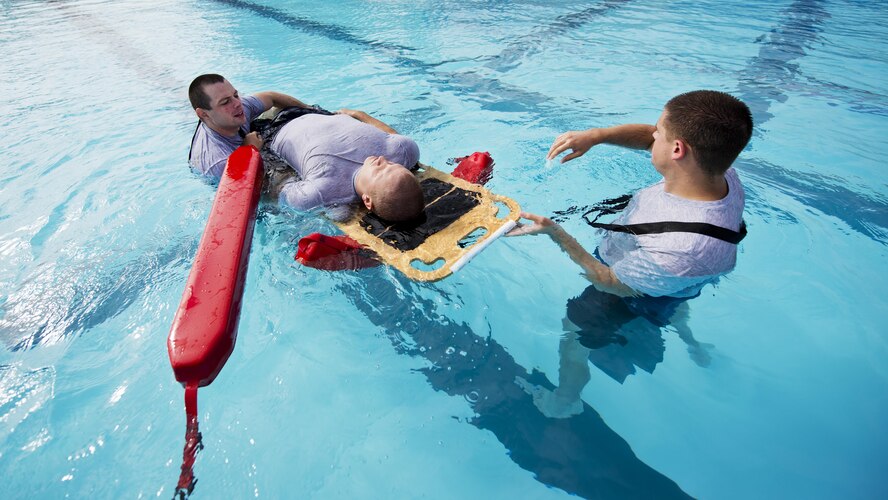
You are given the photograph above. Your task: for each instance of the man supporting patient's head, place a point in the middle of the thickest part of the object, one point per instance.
(389, 190)
(716, 126)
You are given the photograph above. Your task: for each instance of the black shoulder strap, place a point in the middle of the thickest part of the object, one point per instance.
(267, 127)
(615, 205)
(192, 141)
(703, 228)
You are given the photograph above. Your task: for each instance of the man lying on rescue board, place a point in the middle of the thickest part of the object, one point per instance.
(340, 158)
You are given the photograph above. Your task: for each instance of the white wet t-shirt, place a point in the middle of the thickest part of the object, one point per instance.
(676, 264)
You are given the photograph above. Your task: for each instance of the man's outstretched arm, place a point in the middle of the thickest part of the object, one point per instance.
(601, 276)
(634, 136)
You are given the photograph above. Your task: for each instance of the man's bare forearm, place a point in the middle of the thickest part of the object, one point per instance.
(276, 99)
(599, 274)
(364, 117)
(632, 135)
(635, 136)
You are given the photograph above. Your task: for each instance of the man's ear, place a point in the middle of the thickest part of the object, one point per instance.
(368, 202)
(680, 149)
(201, 113)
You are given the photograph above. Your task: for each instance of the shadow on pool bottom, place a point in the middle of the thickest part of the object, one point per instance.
(580, 454)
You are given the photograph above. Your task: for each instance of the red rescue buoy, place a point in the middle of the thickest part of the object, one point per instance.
(333, 253)
(476, 168)
(205, 326)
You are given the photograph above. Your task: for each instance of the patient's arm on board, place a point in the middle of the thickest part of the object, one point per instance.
(364, 117)
(276, 99)
(601, 276)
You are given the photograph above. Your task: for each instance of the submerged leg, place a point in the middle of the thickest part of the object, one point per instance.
(699, 351)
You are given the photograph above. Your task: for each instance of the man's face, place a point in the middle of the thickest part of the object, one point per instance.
(382, 172)
(662, 148)
(226, 111)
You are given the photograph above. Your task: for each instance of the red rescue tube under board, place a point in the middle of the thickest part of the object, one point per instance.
(205, 326)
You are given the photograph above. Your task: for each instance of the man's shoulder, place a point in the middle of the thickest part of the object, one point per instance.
(735, 186)
(654, 204)
(207, 149)
(199, 146)
(253, 105)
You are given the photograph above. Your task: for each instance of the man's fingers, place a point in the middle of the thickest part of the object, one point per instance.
(561, 144)
(556, 149)
(523, 230)
(575, 154)
(518, 230)
(254, 139)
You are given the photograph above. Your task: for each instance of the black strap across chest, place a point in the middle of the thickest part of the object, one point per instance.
(616, 205)
(267, 127)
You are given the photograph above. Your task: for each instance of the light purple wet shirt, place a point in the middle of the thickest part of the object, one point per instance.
(675, 264)
(327, 152)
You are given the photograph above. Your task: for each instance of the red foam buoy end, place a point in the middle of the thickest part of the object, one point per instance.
(333, 253)
(476, 168)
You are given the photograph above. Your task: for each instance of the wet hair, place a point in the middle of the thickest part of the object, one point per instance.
(196, 93)
(399, 201)
(716, 125)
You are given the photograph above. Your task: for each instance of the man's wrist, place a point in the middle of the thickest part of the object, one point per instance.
(556, 232)
(598, 135)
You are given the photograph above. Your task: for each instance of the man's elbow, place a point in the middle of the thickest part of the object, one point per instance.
(606, 281)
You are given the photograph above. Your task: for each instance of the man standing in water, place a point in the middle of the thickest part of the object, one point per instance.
(674, 237)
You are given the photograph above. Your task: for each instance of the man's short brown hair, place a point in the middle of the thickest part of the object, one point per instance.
(399, 201)
(196, 93)
(716, 125)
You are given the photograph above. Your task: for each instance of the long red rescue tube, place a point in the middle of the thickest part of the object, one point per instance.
(205, 326)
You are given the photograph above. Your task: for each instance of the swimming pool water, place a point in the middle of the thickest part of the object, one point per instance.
(363, 384)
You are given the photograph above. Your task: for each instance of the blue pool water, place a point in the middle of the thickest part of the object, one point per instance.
(364, 384)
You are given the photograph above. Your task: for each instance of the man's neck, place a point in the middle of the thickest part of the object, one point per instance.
(360, 184)
(694, 184)
(223, 132)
